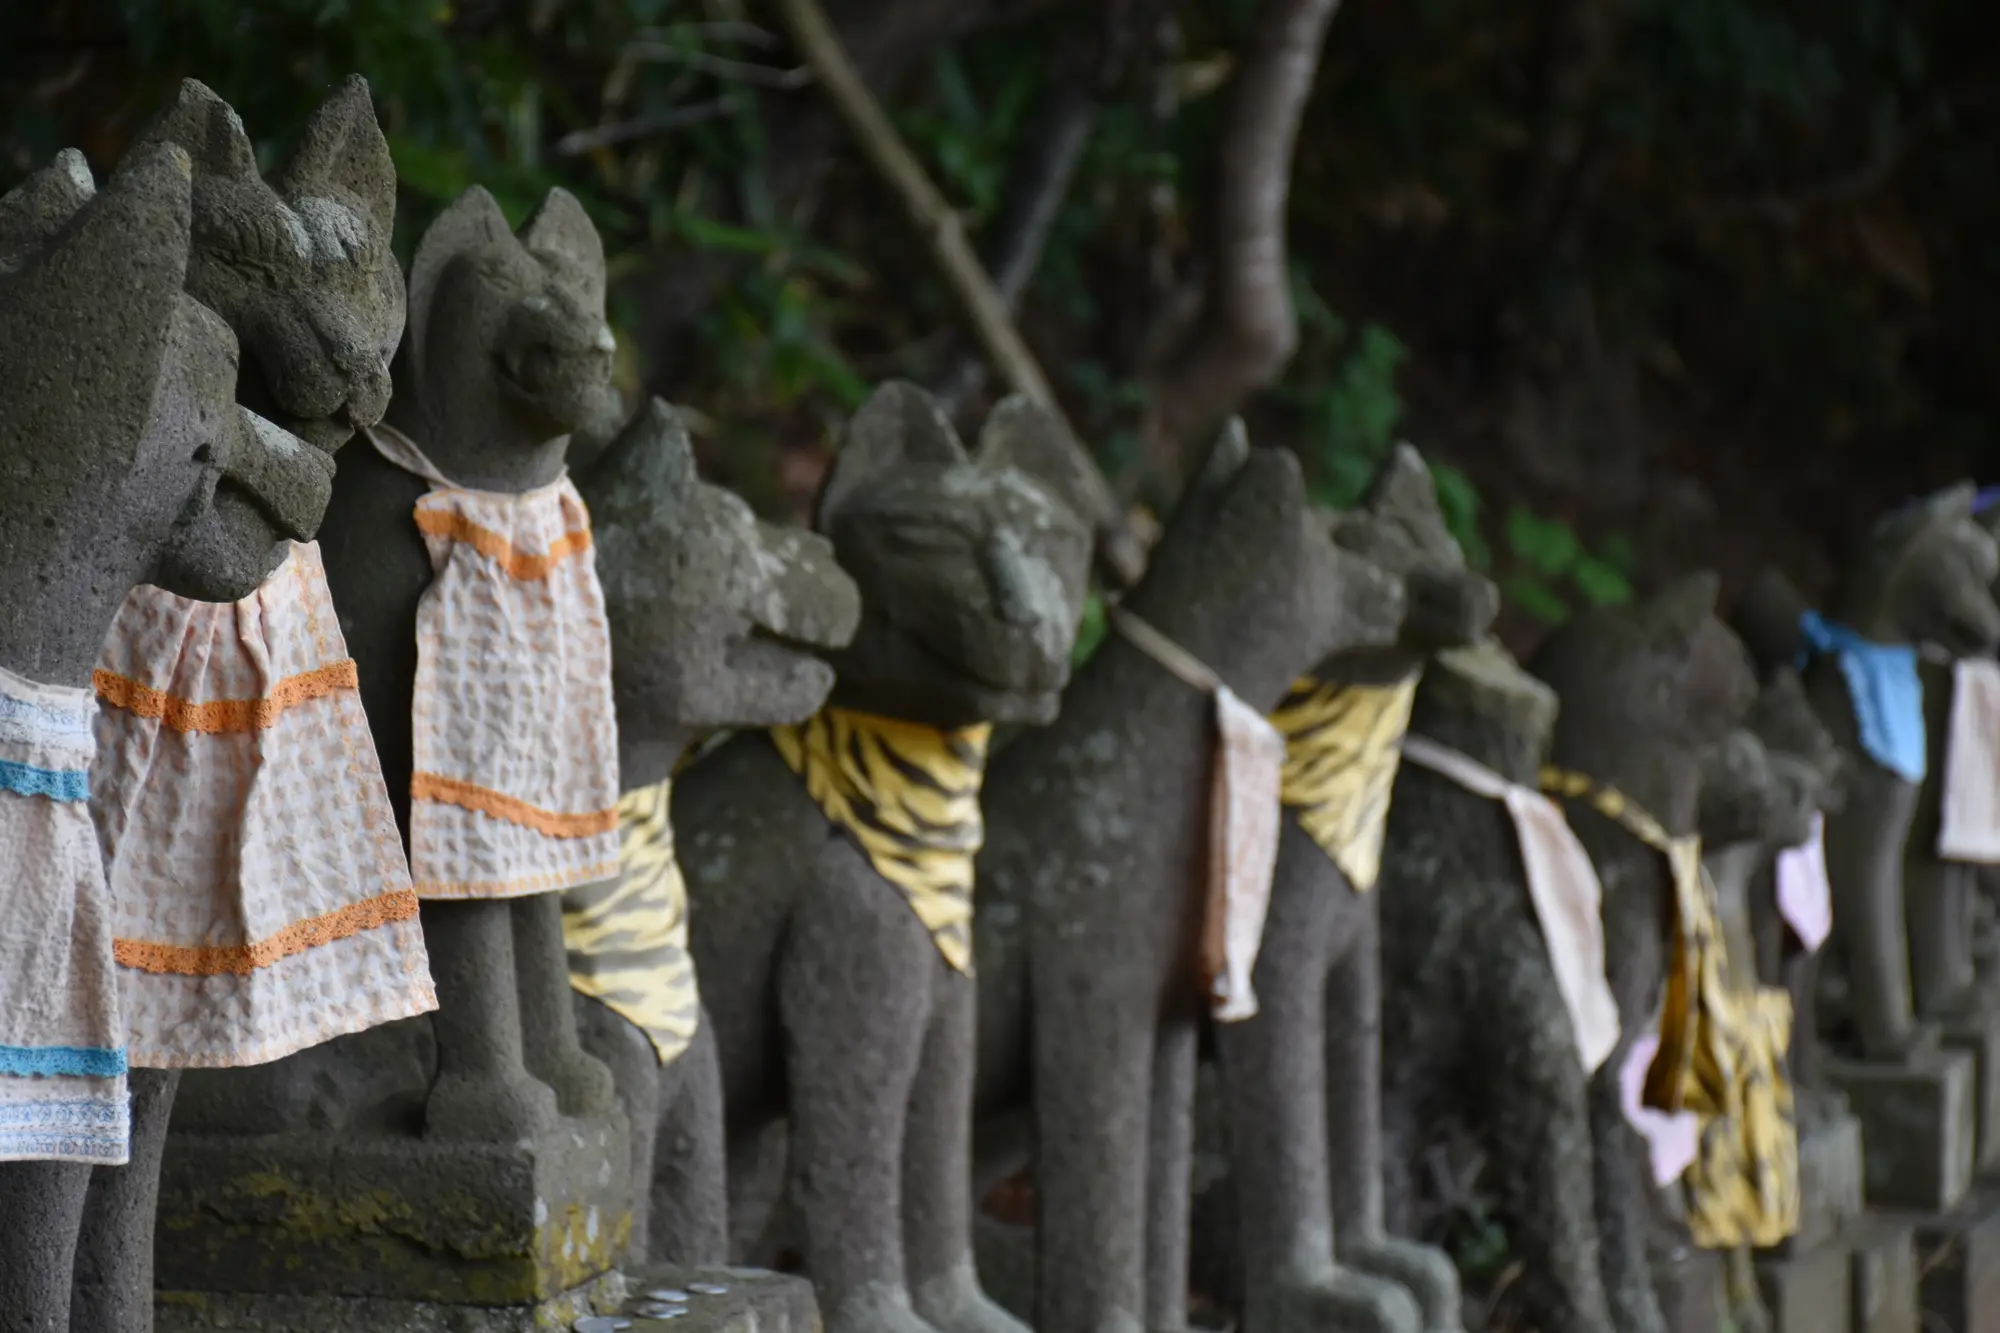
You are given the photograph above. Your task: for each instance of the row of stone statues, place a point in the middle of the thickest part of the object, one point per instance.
(447, 880)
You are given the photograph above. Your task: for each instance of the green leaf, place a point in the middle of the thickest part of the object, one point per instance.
(1548, 546)
(1089, 630)
(1535, 597)
(1600, 583)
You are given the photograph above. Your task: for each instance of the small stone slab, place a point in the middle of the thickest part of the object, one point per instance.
(1958, 1256)
(718, 1300)
(1977, 1033)
(1831, 1164)
(1917, 1126)
(1883, 1270)
(1808, 1291)
(184, 1312)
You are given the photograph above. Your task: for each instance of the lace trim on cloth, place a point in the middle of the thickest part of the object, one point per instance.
(62, 1061)
(908, 794)
(226, 715)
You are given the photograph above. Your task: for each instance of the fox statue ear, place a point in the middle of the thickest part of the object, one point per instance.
(35, 210)
(1226, 455)
(561, 231)
(344, 154)
(208, 130)
(1023, 434)
(471, 222)
(899, 424)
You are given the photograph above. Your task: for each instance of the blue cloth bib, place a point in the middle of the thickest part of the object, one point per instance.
(1883, 685)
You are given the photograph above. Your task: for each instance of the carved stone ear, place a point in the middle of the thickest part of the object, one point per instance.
(343, 151)
(1677, 614)
(899, 424)
(208, 129)
(1225, 458)
(1403, 483)
(36, 209)
(473, 221)
(1021, 433)
(652, 453)
(559, 229)
(96, 307)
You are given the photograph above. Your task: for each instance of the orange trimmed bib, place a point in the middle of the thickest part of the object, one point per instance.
(260, 900)
(515, 782)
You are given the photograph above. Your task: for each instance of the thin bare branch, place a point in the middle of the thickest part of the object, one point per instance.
(1248, 329)
(764, 76)
(603, 136)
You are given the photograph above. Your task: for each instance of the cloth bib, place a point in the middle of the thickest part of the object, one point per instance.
(1743, 1187)
(515, 782)
(260, 899)
(1672, 1140)
(628, 937)
(908, 794)
(1805, 896)
(1341, 753)
(1562, 887)
(1884, 688)
(1970, 828)
(62, 1050)
(1245, 811)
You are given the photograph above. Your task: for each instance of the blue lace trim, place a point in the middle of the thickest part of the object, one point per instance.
(66, 1113)
(1884, 687)
(62, 1061)
(58, 784)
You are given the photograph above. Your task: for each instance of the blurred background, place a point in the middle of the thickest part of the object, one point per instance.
(1655, 284)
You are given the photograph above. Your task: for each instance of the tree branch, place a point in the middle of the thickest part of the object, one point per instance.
(1247, 330)
(937, 223)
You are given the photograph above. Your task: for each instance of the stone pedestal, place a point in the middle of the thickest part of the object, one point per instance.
(1883, 1272)
(719, 1300)
(1808, 1291)
(351, 1231)
(1976, 1031)
(1830, 1179)
(1917, 1126)
(1958, 1258)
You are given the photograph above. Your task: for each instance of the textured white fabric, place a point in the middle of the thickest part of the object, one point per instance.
(1672, 1138)
(1970, 827)
(261, 900)
(515, 789)
(1564, 889)
(1245, 813)
(1805, 897)
(62, 1058)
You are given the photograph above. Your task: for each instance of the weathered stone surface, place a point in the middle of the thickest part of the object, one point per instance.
(1808, 1290)
(753, 1301)
(1958, 1260)
(1917, 1126)
(400, 1218)
(1975, 1029)
(1882, 1259)
(1691, 1290)
(180, 1312)
(1830, 1180)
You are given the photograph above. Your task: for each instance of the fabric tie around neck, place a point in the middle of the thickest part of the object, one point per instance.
(62, 1049)
(1884, 688)
(514, 788)
(1563, 890)
(1970, 827)
(1244, 811)
(1341, 754)
(628, 938)
(908, 794)
(261, 900)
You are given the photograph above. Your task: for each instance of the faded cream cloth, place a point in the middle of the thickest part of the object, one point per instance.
(1673, 1138)
(261, 902)
(1244, 813)
(1805, 895)
(62, 1052)
(1563, 886)
(515, 782)
(1970, 827)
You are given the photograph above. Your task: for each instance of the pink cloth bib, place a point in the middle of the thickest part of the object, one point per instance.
(260, 898)
(515, 783)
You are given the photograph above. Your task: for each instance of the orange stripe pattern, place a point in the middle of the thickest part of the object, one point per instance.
(486, 801)
(523, 565)
(243, 959)
(224, 715)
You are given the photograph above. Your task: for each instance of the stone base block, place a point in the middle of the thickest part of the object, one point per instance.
(1808, 1291)
(1830, 1181)
(1977, 1033)
(1883, 1271)
(1958, 1259)
(395, 1219)
(1689, 1283)
(1917, 1126)
(719, 1300)
(185, 1312)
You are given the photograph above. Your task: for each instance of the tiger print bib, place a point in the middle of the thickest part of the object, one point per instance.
(1341, 754)
(908, 794)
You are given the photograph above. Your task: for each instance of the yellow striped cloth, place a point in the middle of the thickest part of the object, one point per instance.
(908, 794)
(1721, 1054)
(1342, 748)
(628, 937)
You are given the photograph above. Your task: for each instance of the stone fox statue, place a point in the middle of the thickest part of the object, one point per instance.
(718, 621)
(829, 865)
(1477, 1011)
(1299, 1121)
(117, 402)
(1091, 884)
(459, 557)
